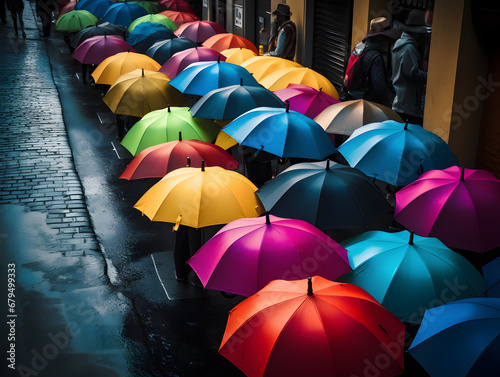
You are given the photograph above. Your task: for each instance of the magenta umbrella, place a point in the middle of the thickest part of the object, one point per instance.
(182, 59)
(199, 31)
(246, 254)
(177, 5)
(95, 49)
(306, 100)
(458, 206)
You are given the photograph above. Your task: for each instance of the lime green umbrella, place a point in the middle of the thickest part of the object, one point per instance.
(154, 19)
(149, 6)
(75, 20)
(161, 126)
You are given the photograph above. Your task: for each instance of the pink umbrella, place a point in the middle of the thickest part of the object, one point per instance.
(95, 49)
(182, 59)
(180, 17)
(246, 254)
(458, 206)
(199, 31)
(306, 100)
(177, 5)
(68, 7)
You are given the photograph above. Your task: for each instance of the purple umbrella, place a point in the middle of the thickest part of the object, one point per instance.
(95, 49)
(246, 254)
(182, 59)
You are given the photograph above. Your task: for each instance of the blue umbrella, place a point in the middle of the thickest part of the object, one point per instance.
(123, 13)
(97, 7)
(327, 195)
(491, 273)
(199, 78)
(161, 51)
(147, 34)
(282, 132)
(232, 101)
(408, 274)
(460, 339)
(396, 153)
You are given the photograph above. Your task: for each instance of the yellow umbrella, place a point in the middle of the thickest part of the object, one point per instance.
(225, 141)
(124, 62)
(139, 92)
(200, 197)
(304, 76)
(261, 66)
(238, 55)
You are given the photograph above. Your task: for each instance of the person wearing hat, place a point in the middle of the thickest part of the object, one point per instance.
(282, 42)
(408, 79)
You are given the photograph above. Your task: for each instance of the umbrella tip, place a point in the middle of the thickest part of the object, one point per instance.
(328, 164)
(143, 71)
(410, 241)
(241, 81)
(287, 107)
(462, 174)
(180, 136)
(218, 59)
(309, 287)
(406, 124)
(268, 221)
(202, 165)
(188, 162)
(168, 107)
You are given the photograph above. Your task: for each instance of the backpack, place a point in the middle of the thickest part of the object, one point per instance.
(353, 78)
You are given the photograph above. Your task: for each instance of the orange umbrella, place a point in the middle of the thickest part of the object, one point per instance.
(224, 41)
(238, 55)
(180, 18)
(261, 66)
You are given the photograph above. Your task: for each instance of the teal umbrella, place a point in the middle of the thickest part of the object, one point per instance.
(408, 274)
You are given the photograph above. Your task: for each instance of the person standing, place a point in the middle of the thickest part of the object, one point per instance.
(44, 9)
(16, 8)
(282, 42)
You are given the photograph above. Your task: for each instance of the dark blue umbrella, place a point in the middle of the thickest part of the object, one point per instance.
(97, 7)
(491, 273)
(147, 34)
(101, 28)
(123, 13)
(161, 51)
(459, 339)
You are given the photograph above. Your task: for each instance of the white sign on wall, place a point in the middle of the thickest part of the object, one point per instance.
(205, 3)
(238, 16)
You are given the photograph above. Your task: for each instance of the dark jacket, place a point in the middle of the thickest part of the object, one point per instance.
(45, 6)
(290, 30)
(15, 5)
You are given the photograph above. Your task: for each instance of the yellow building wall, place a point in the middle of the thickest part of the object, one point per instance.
(298, 9)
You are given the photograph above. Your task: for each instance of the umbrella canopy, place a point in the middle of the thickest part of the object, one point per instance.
(306, 100)
(153, 19)
(200, 197)
(345, 117)
(180, 60)
(101, 28)
(238, 55)
(138, 92)
(281, 78)
(390, 265)
(162, 51)
(151, 7)
(327, 195)
(281, 132)
(261, 66)
(108, 71)
(247, 254)
(396, 153)
(75, 20)
(224, 140)
(491, 272)
(224, 41)
(68, 7)
(232, 101)
(199, 31)
(123, 13)
(459, 339)
(461, 208)
(147, 34)
(164, 125)
(161, 159)
(202, 77)
(95, 49)
(96, 7)
(180, 18)
(177, 5)
(292, 328)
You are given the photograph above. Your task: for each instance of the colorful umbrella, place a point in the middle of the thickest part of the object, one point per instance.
(261, 66)
(327, 195)
(96, 7)
(180, 60)
(224, 140)
(345, 117)
(232, 101)
(104, 28)
(151, 7)
(281, 132)
(147, 34)
(164, 125)
(202, 77)
(396, 153)
(460, 339)
(390, 265)
(199, 31)
(224, 41)
(95, 49)
(75, 20)
(247, 254)
(320, 328)
(162, 51)
(491, 272)
(238, 55)
(138, 92)
(68, 7)
(161, 159)
(461, 208)
(123, 13)
(306, 100)
(200, 197)
(177, 5)
(283, 77)
(154, 19)
(180, 18)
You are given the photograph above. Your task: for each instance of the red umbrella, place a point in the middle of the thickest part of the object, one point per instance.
(68, 7)
(96, 49)
(177, 5)
(225, 41)
(199, 31)
(313, 327)
(158, 160)
(180, 17)
(458, 206)
(182, 59)
(306, 100)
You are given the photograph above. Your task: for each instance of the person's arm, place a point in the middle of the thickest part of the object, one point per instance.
(410, 66)
(280, 45)
(378, 80)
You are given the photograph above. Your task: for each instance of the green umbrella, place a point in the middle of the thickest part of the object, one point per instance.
(154, 19)
(75, 20)
(149, 6)
(161, 126)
